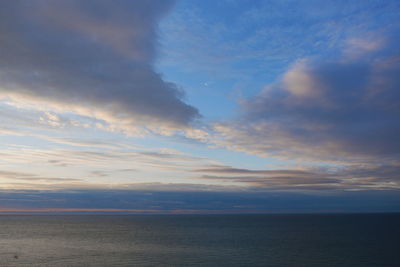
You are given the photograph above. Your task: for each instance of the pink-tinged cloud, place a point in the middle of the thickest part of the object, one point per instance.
(345, 108)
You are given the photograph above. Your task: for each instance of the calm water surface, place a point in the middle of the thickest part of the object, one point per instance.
(201, 240)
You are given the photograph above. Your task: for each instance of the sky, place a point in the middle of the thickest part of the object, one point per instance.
(159, 106)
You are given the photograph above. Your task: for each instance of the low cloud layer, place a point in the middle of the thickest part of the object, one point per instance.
(92, 58)
(356, 177)
(101, 164)
(343, 107)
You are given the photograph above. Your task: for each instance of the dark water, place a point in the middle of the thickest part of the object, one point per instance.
(201, 240)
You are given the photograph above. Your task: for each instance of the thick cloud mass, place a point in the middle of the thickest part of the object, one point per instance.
(90, 57)
(329, 108)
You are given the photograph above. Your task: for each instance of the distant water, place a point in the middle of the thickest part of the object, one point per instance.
(201, 240)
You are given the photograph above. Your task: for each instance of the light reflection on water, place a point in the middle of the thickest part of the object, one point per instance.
(200, 240)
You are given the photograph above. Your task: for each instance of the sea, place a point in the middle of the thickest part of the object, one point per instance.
(201, 240)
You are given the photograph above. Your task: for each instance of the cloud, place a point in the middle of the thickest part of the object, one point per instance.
(325, 109)
(168, 170)
(11, 175)
(92, 58)
(104, 166)
(235, 171)
(355, 177)
(118, 159)
(135, 168)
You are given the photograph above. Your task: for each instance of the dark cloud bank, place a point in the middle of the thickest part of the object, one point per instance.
(327, 108)
(90, 57)
(340, 113)
(202, 202)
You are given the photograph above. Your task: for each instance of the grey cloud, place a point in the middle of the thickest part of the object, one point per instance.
(272, 182)
(325, 109)
(90, 57)
(129, 170)
(33, 177)
(354, 177)
(55, 184)
(229, 170)
(371, 172)
(99, 173)
(273, 179)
